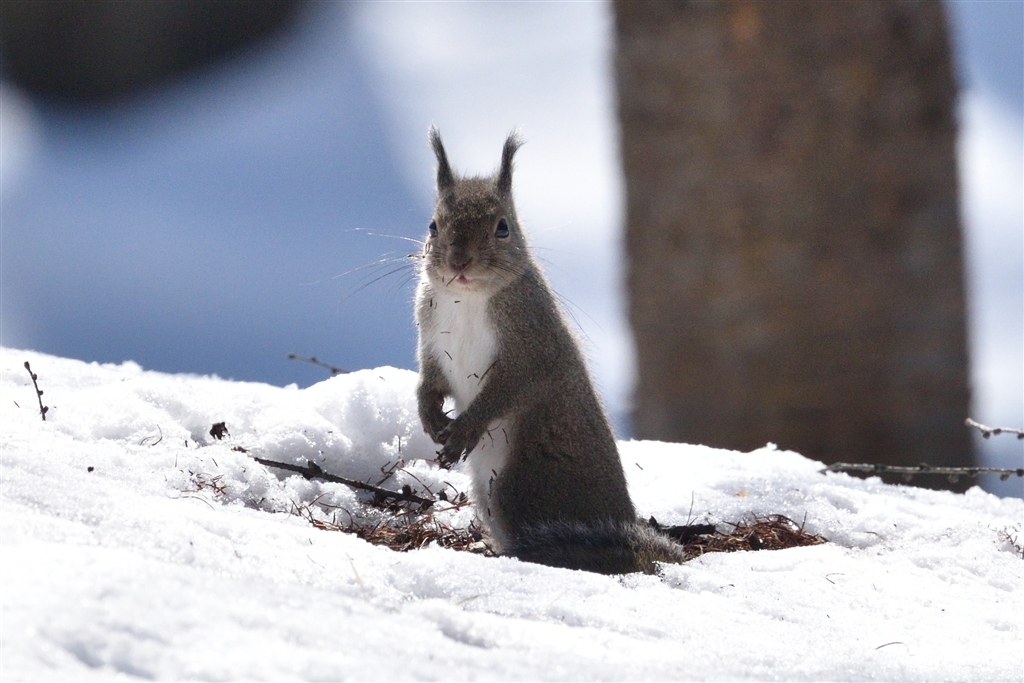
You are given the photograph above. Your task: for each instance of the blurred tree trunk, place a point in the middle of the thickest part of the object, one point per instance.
(795, 270)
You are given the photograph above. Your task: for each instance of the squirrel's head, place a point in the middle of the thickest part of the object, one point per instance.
(474, 240)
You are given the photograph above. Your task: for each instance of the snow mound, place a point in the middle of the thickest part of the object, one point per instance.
(137, 544)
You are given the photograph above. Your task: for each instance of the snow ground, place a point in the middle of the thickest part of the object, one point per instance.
(121, 559)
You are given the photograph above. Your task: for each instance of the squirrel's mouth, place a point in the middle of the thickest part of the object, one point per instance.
(462, 278)
(462, 282)
(468, 276)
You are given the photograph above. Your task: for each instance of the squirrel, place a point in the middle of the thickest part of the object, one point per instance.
(546, 474)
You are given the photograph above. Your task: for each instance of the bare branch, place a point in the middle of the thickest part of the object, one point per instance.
(39, 392)
(313, 471)
(954, 473)
(987, 431)
(314, 361)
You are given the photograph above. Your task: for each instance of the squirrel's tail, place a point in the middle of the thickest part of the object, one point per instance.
(607, 547)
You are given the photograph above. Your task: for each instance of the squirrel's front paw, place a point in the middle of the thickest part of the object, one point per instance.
(435, 424)
(446, 459)
(459, 438)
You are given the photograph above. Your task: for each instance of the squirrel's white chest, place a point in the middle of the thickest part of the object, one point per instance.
(463, 341)
(459, 334)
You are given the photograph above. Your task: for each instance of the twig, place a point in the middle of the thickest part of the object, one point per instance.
(953, 473)
(203, 481)
(145, 439)
(39, 392)
(987, 431)
(388, 470)
(352, 564)
(314, 361)
(313, 471)
(1011, 537)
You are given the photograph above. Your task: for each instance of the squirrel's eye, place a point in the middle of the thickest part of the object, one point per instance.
(502, 230)
(433, 228)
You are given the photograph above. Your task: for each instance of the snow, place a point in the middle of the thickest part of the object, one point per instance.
(121, 559)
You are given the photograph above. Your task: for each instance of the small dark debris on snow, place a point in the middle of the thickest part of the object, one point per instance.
(770, 532)
(402, 524)
(202, 482)
(90, 468)
(407, 530)
(219, 430)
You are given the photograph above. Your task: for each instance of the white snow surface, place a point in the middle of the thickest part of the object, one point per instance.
(121, 559)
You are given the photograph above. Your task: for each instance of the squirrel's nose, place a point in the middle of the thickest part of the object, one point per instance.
(459, 265)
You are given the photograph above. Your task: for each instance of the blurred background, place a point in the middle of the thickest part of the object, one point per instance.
(214, 214)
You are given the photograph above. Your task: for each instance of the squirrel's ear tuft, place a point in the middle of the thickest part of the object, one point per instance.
(445, 177)
(512, 143)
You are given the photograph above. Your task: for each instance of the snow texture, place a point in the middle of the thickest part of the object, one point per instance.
(136, 545)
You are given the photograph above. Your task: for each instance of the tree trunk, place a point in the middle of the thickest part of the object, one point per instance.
(795, 271)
